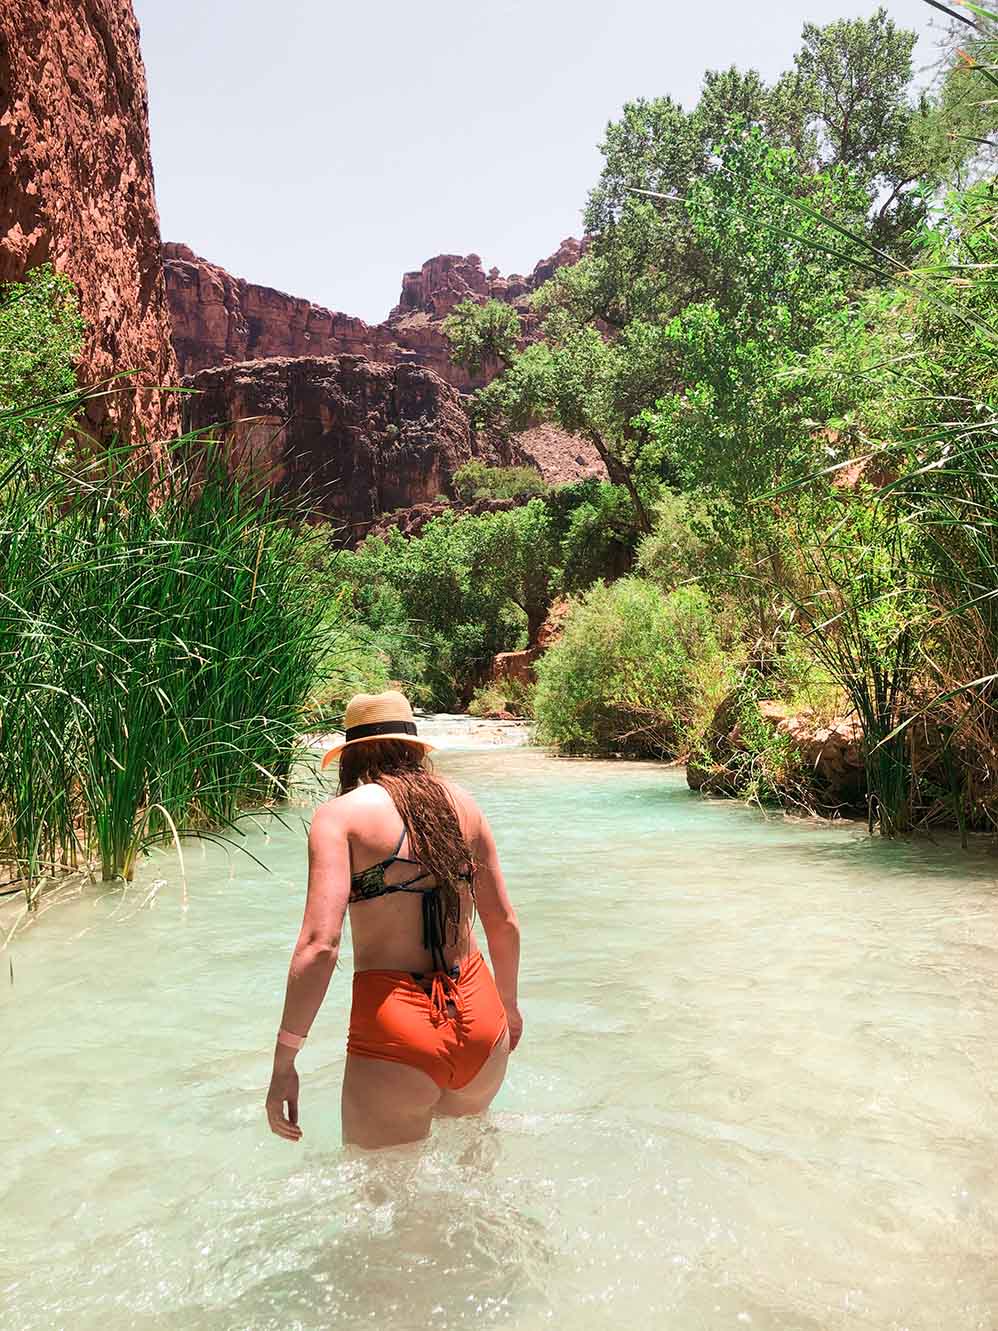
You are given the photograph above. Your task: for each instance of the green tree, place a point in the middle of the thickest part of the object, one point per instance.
(592, 386)
(479, 334)
(41, 336)
(476, 480)
(444, 603)
(513, 556)
(632, 672)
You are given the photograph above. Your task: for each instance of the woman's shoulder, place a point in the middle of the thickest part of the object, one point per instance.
(361, 801)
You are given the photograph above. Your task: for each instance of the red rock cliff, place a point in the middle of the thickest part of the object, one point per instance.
(76, 187)
(218, 318)
(357, 438)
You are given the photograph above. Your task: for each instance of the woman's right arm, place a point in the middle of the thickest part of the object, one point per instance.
(499, 921)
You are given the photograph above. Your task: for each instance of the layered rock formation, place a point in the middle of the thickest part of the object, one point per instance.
(76, 188)
(356, 437)
(224, 322)
(448, 279)
(219, 319)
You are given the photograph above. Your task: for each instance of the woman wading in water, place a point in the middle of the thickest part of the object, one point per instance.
(414, 859)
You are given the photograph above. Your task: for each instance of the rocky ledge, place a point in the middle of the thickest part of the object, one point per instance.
(219, 319)
(353, 437)
(368, 443)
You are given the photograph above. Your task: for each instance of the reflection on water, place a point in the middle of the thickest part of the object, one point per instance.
(757, 1089)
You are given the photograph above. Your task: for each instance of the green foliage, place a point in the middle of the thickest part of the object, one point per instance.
(632, 672)
(443, 604)
(739, 424)
(597, 534)
(590, 386)
(864, 620)
(159, 643)
(846, 104)
(764, 767)
(851, 81)
(476, 480)
(161, 632)
(713, 289)
(507, 695)
(41, 335)
(676, 550)
(481, 333)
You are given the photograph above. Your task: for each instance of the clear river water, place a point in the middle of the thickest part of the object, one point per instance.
(757, 1089)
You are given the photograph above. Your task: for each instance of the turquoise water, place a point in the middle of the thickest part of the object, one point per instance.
(756, 1090)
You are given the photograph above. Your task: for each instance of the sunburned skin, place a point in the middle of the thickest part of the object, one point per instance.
(437, 1047)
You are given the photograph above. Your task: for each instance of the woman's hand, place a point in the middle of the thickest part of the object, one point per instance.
(284, 1091)
(515, 1023)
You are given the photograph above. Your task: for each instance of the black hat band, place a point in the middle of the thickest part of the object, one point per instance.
(380, 728)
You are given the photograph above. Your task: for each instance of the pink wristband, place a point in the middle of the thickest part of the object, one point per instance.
(292, 1041)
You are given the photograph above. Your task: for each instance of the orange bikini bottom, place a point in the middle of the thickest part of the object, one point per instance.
(445, 1023)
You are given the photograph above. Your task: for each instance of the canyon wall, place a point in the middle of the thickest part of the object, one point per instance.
(355, 437)
(219, 319)
(76, 190)
(362, 418)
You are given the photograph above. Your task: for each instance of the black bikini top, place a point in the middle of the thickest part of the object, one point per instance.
(370, 883)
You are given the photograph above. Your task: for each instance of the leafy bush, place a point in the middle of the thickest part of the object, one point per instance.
(443, 604)
(475, 480)
(506, 695)
(632, 672)
(674, 553)
(595, 527)
(479, 333)
(41, 335)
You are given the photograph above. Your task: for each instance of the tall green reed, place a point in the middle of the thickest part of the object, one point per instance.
(160, 641)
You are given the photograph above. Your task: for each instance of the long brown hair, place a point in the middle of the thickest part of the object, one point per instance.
(426, 809)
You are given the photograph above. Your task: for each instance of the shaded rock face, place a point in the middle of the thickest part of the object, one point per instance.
(76, 189)
(219, 319)
(355, 437)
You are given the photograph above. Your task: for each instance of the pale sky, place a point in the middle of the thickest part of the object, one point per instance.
(324, 148)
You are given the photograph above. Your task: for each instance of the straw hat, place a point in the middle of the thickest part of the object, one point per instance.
(377, 716)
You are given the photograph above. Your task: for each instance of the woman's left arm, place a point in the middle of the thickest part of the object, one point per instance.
(314, 958)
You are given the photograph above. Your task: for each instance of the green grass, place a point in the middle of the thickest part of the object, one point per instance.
(161, 637)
